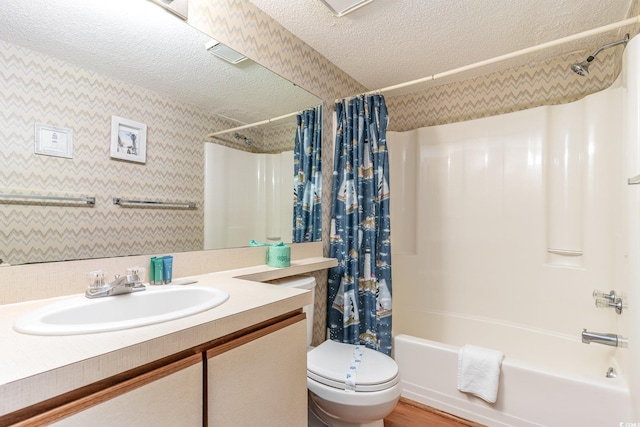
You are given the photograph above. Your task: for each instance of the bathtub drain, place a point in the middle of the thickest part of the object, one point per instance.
(611, 373)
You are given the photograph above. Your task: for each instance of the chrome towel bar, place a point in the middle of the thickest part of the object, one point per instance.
(88, 200)
(153, 204)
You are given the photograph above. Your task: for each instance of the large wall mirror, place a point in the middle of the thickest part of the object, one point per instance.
(72, 68)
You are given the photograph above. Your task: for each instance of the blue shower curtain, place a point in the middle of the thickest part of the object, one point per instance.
(359, 295)
(307, 167)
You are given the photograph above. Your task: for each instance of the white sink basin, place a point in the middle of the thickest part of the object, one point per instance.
(80, 315)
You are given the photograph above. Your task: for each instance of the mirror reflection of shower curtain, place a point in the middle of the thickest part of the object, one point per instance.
(359, 296)
(307, 186)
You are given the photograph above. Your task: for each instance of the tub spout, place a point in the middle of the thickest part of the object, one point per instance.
(606, 339)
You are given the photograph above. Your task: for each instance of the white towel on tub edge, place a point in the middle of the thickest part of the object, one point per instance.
(479, 371)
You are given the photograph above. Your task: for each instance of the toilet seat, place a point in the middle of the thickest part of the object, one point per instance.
(329, 362)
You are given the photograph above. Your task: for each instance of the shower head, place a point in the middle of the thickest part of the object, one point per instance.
(239, 137)
(582, 68)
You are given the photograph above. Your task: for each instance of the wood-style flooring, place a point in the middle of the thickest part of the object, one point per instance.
(412, 414)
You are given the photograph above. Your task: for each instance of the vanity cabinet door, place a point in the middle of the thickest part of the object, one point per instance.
(260, 379)
(168, 396)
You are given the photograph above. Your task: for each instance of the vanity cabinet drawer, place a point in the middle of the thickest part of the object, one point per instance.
(168, 396)
(260, 379)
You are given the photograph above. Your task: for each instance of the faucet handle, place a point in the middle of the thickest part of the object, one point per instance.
(609, 300)
(137, 273)
(96, 279)
(611, 296)
(617, 304)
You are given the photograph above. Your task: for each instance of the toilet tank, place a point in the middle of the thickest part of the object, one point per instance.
(302, 282)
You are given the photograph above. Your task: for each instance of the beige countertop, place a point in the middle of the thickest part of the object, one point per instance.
(34, 368)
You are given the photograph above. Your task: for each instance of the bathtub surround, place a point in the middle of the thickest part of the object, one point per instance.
(482, 216)
(518, 219)
(565, 186)
(360, 286)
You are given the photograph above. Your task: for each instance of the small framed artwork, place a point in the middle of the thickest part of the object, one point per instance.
(128, 140)
(54, 141)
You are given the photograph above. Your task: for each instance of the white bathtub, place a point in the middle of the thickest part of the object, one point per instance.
(568, 388)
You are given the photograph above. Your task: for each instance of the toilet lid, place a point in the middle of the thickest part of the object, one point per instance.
(330, 362)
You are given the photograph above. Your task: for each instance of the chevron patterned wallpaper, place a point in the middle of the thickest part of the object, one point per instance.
(547, 83)
(277, 139)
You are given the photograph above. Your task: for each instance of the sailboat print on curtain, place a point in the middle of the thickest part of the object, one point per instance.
(360, 288)
(347, 195)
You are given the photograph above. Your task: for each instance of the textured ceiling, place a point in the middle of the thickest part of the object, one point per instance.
(382, 44)
(138, 42)
(393, 41)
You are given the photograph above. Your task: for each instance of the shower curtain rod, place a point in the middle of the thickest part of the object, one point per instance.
(263, 122)
(517, 53)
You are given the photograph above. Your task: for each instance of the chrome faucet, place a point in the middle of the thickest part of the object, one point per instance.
(121, 285)
(606, 339)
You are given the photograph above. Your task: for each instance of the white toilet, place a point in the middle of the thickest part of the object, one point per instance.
(377, 384)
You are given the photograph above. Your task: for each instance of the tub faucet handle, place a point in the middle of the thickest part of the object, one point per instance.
(609, 300)
(617, 304)
(611, 296)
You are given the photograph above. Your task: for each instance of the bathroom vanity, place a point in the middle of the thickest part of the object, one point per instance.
(240, 363)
